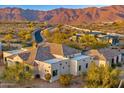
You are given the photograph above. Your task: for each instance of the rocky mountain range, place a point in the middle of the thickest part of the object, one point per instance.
(65, 16)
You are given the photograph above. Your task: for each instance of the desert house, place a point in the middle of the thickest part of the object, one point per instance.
(51, 58)
(105, 56)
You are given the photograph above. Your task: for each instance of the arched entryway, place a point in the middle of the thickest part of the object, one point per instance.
(37, 76)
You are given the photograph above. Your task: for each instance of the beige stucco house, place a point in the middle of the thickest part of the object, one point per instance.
(105, 56)
(58, 59)
(55, 59)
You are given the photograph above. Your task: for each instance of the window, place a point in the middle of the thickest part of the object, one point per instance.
(112, 60)
(79, 67)
(27, 68)
(45, 70)
(55, 73)
(5, 59)
(86, 65)
(117, 59)
(17, 63)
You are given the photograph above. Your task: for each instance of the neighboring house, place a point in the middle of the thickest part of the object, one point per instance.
(105, 56)
(116, 39)
(18, 57)
(55, 59)
(121, 41)
(9, 56)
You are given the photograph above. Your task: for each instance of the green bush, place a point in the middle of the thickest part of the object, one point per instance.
(48, 76)
(113, 65)
(16, 73)
(65, 80)
(119, 64)
(102, 76)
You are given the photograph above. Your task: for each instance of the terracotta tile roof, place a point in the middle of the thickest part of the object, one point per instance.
(24, 55)
(32, 55)
(43, 53)
(63, 50)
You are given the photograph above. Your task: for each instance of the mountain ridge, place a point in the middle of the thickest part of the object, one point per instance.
(65, 15)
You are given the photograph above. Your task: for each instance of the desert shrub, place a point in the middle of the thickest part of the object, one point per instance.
(65, 80)
(48, 76)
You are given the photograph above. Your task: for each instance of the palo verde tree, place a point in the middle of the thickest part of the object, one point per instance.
(48, 76)
(65, 80)
(8, 38)
(17, 73)
(102, 76)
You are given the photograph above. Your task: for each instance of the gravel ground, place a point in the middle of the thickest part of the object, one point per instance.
(76, 83)
(1, 69)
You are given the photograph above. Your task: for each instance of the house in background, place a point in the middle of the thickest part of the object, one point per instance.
(17, 58)
(115, 39)
(121, 41)
(105, 56)
(13, 56)
(53, 59)
(22, 56)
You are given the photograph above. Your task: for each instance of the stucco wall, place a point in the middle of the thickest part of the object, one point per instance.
(109, 62)
(75, 65)
(11, 62)
(43, 68)
(62, 67)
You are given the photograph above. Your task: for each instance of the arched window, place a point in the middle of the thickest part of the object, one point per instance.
(86, 65)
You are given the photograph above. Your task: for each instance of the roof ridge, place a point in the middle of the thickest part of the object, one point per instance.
(34, 54)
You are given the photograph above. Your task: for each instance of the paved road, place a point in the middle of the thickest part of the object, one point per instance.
(88, 30)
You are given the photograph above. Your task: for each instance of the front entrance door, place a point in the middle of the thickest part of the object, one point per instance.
(117, 59)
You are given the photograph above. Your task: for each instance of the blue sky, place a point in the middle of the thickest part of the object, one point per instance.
(48, 7)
